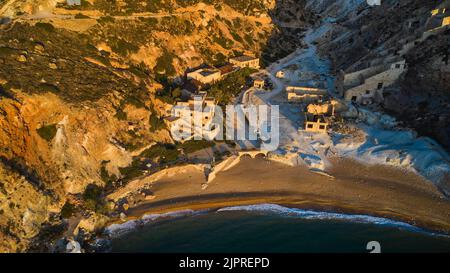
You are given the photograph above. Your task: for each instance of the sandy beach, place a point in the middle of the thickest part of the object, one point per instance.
(356, 189)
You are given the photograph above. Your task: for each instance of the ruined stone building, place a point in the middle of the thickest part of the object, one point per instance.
(316, 123)
(322, 108)
(258, 83)
(196, 114)
(366, 86)
(245, 61)
(205, 75)
(304, 94)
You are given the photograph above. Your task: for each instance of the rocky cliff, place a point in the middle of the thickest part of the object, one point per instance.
(80, 96)
(83, 89)
(420, 98)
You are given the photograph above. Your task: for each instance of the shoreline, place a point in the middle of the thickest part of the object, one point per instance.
(119, 229)
(405, 197)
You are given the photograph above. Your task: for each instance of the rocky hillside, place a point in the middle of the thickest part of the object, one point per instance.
(66, 112)
(80, 96)
(83, 89)
(421, 98)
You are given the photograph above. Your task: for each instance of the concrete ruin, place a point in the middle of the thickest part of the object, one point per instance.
(205, 75)
(366, 86)
(245, 61)
(305, 94)
(316, 123)
(259, 83)
(186, 115)
(328, 108)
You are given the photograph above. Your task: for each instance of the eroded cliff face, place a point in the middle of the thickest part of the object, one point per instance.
(77, 87)
(39, 173)
(420, 98)
(65, 117)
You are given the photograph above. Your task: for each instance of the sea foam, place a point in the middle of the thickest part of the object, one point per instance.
(321, 215)
(117, 230)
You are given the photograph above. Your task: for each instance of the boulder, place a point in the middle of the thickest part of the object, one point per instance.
(73, 247)
(93, 223)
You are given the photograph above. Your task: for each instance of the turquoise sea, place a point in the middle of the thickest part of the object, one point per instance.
(275, 229)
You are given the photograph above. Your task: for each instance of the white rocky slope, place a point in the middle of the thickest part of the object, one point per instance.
(375, 140)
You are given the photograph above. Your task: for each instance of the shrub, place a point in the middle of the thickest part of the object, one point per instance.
(92, 198)
(166, 153)
(236, 37)
(108, 179)
(164, 64)
(45, 26)
(231, 86)
(156, 123)
(48, 87)
(123, 47)
(120, 114)
(106, 19)
(47, 132)
(196, 145)
(81, 16)
(67, 210)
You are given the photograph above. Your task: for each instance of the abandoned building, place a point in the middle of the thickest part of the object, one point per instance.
(205, 75)
(316, 123)
(366, 86)
(327, 108)
(305, 94)
(258, 83)
(198, 119)
(245, 61)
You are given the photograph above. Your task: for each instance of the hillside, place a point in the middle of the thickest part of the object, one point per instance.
(84, 89)
(421, 98)
(79, 92)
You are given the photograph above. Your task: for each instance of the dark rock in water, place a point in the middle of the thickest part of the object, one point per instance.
(100, 245)
(60, 246)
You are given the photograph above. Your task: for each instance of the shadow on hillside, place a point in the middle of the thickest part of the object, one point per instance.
(292, 19)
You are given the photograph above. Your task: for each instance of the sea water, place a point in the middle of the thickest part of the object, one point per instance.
(275, 229)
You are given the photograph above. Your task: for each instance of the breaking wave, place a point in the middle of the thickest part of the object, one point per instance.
(321, 215)
(117, 230)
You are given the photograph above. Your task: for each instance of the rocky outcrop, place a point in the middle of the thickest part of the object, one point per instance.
(24, 207)
(367, 35)
(66, 123)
